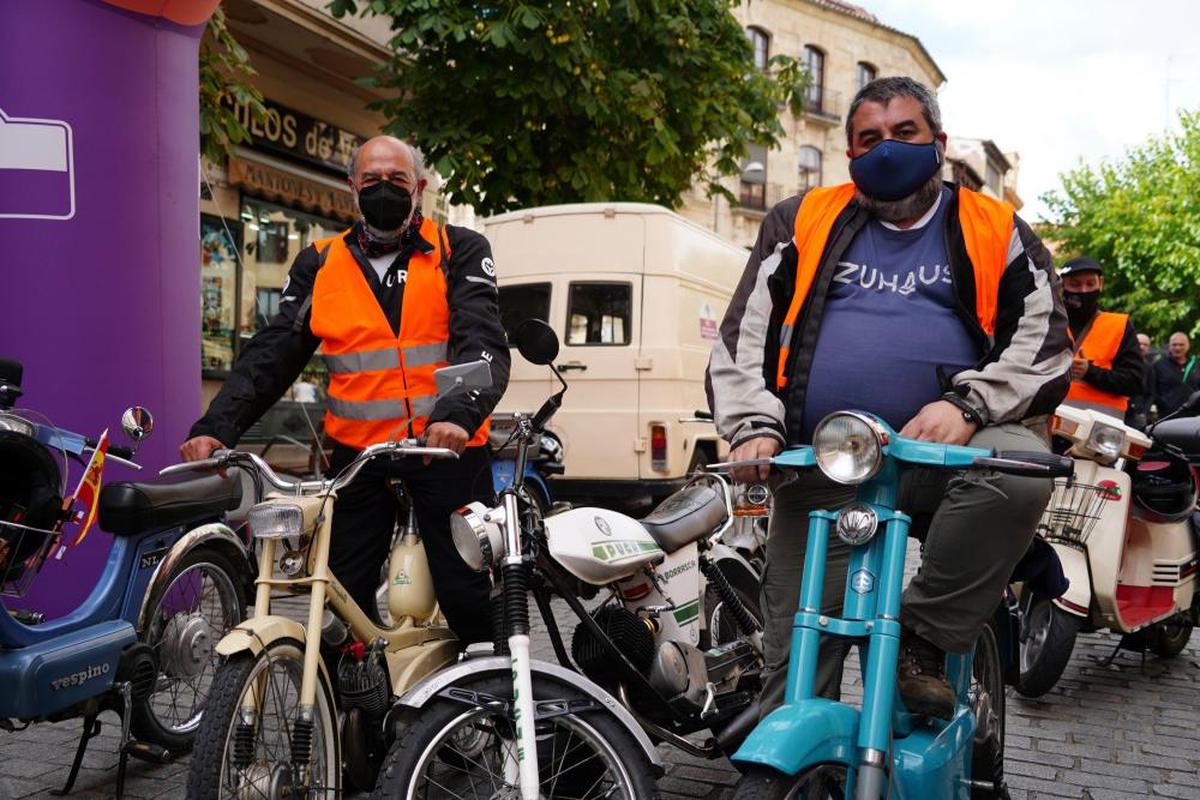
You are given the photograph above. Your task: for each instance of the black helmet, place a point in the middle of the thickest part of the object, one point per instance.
(1164, 487)
(30, 494)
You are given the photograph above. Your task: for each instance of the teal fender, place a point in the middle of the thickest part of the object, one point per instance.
(801, 735)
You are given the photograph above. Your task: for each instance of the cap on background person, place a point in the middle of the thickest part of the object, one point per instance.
(1081, 264)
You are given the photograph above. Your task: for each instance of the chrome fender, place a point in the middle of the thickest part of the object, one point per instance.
(216, 535)
(423, 692)
(1077, 600)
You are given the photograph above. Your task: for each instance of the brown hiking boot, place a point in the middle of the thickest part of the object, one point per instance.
(921, 677)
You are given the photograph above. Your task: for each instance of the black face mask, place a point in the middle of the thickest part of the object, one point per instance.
(1081, 306)
(385, 206)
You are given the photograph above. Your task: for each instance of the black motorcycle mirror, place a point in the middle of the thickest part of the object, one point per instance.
(537, 342)
(137, 422)
(1189, 409)
(463, 377)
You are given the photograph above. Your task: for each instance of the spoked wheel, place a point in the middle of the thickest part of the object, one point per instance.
(1047, 639)
(456, 750)
(251, 743)
(201, 602)
(722, 627)
(822, 782)
(986, 697)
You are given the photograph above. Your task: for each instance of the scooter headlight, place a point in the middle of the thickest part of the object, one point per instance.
(1107, 441)
(275, 521)
(848, 447)
(477, 535)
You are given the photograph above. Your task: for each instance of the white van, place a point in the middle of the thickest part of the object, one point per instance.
(636, 294)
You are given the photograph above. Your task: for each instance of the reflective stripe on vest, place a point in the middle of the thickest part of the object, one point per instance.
(1100, 344)
(381, 383)
(987, 227)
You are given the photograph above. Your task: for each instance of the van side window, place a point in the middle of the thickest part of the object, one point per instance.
(599, 313)
(521, 302)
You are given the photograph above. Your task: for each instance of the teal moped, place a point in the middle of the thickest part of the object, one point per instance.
(812, 748)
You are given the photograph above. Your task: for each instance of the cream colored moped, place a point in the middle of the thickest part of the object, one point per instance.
(278, 724)
(1125, 530)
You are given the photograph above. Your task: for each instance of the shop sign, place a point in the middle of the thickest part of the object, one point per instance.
(297, 135)
(291, 189)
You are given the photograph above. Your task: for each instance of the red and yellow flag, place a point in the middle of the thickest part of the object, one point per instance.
(87, 495)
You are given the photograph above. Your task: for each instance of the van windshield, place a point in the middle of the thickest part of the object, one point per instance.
(521, 302)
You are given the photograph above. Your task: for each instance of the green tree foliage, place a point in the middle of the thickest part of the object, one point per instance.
(1140, 217)
(532, 103)
(224, 71)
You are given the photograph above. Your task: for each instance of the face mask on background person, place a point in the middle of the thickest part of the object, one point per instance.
(385, 206)
(1081, 306)
(892, 170)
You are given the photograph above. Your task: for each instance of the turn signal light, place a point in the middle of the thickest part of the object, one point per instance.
(658, 447)
(1064, 426)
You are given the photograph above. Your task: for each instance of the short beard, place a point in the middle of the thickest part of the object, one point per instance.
(911, 207)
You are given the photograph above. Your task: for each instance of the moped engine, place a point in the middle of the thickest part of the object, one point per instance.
(365, 695)
(629, 633)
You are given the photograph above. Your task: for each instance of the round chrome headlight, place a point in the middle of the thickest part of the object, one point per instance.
(1106, 440)
(848, 447)
(857, 523)
(477, 535)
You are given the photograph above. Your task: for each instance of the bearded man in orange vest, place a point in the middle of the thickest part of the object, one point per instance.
(388, 301)
(930, 305)
(1107, 369)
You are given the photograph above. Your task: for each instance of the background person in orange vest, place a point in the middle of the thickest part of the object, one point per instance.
(388, 301)
(935, 308)
(1107, 368)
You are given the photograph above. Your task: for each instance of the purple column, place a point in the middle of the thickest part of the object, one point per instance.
(98, 229)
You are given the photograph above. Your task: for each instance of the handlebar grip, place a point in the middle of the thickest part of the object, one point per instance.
(1032, 464)
(701, 413)
(121, 451)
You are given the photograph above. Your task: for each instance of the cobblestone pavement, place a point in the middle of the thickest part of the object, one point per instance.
(1126, 730)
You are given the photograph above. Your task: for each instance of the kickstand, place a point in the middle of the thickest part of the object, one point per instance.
(91, 728)
(126, 740)
(1107, 662)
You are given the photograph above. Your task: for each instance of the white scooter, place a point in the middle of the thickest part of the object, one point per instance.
(1127, 534)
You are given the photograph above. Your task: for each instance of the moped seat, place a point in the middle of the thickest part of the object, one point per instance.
(1183, 433)
(691, 513)
(128, 508)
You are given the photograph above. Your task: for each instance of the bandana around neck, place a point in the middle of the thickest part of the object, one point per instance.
(374, 246)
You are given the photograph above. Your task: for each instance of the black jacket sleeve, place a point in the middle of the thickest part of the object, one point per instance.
(1125, 378)
(269, 362)
(475, 329)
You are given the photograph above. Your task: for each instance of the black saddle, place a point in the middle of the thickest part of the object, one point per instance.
(691, 513)
(128, 508)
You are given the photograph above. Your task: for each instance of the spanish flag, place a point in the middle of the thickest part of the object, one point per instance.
(87, 495)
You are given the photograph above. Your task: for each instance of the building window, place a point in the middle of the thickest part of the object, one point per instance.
(865, 74)
(761, 43)
(753, 192)
(814, 59)
(599, 313)
(810, 167)
(995, 179)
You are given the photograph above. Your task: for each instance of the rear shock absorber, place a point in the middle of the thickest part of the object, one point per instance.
(733, 604)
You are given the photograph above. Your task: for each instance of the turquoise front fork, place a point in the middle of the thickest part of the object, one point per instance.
(871, 611)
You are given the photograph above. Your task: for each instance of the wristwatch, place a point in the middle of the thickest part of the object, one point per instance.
(969, 412)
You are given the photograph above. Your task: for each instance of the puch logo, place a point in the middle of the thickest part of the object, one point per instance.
(603, 525)
(79, 678)
(862, 582)
(682, 568)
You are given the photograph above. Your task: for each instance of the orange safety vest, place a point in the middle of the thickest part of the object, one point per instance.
(987, 227)
(1100, 344)
(381, 384)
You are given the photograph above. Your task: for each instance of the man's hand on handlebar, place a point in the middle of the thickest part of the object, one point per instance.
(758, 447)
(447, 435)
(199, 448)
(940, 421)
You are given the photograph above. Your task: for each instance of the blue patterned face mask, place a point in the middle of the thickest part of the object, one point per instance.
(892, 170)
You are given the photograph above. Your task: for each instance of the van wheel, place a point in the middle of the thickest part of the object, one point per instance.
(705, 453)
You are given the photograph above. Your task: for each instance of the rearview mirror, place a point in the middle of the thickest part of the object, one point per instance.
(137, 422)
(536, 341)
(461, 377)
(1190, 406)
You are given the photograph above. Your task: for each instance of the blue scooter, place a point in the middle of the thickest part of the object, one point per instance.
(141, 644)
(812, 747)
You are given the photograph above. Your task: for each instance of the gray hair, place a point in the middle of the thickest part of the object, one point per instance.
(418, 160)
(884, 90)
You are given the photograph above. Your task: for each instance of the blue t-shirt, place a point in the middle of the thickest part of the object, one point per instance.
(889, 322)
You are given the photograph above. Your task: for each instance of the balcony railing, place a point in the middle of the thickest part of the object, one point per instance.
(823, 105)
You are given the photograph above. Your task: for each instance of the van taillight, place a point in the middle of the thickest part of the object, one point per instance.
(658, 447)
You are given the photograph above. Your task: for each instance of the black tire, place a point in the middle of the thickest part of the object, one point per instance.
(987, 700)
(206, 777)
(1047, 639)
(822, 782)
(416, 746)
(1169, 638)
(152, 720)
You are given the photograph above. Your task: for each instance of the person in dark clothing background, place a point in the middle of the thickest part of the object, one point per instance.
(1175, 376)
(1107, 368)
(388, 301)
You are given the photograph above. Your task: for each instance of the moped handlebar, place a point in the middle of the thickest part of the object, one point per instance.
(1012, 462)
